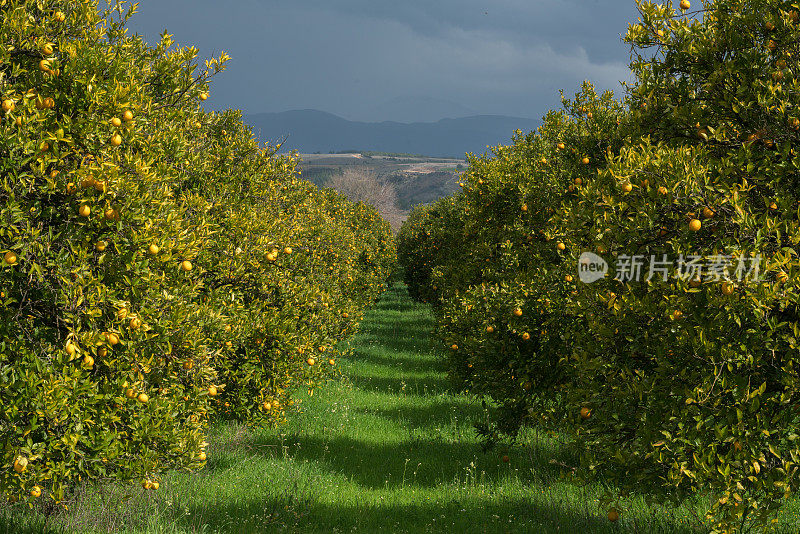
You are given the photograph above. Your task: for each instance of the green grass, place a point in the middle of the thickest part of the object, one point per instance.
(385, 448)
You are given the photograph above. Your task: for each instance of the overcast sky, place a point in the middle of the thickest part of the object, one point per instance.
(362, 59)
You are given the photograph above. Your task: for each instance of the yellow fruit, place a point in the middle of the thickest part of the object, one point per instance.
(560, 146)
(143, 398)
(130, 393)
(685, 4)
(204, 96)
(727, 289)
(155, 484)
(561, 246)
(267, 406)
(110, 214)
(524, 207)
(518, 312)
(695, 225)
(188, 364)
(627, 188)
(84, 210)
(489, 329)
(454, 346)
(116, 139)
(212, 391)
(578, 181)
(586, 413)
(331, 362)
(613, 514)
(102, 352)
(270, 257)
(47, 49)
(59, 16)
(585, 161)
(88, 361)
(71, 349)
(186, 265)
(10, 258)
(127, 116)
(20, 464)
(112, 338)
(8, 105)
(135, 323)
(36, 492)
(310, 361)
(116, 122)
(287, 250)
(44, 65)
(526, 336)
(153, 249)
(202, 456)
(100, 246)
(568, 278)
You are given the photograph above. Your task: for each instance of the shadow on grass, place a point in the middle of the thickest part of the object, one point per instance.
(13, 523)
(405, 345)
(402, 385)
(424, 463)
(437, 413)
(513, 516)
(404, 361)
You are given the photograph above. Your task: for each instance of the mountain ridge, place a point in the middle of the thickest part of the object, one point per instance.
(311, 130)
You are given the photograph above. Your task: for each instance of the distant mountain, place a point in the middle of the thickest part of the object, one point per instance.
(414, 109)
(309, 131)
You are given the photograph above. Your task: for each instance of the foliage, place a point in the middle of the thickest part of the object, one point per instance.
(682, 386)
(139, 277)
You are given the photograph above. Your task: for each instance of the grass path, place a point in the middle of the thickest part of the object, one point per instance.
(385, 448)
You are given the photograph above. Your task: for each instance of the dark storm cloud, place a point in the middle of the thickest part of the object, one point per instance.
(592, 25)
(349, 56)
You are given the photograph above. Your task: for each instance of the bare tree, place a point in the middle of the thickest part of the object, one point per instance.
(364, 185)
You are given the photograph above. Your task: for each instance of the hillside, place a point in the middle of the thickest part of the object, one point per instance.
(309, 131)
(415, 180)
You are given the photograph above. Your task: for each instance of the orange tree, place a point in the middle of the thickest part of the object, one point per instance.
(686, 384)
(691, 382)
(290, 271)
(490, 259)
(429, 236)
(96, 303)
(152, 254)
